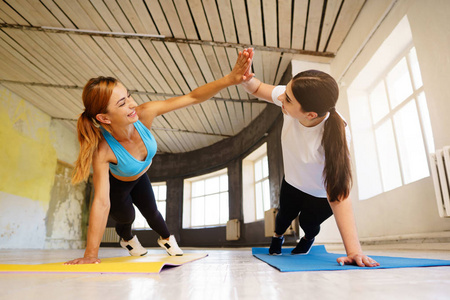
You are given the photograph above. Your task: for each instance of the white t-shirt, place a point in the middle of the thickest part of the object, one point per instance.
(303, 154)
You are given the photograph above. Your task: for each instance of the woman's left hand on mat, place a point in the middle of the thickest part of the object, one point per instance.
(83, 260)
(358, 259)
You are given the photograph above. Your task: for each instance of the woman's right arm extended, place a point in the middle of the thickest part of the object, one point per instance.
(99, 211)
(254, 86)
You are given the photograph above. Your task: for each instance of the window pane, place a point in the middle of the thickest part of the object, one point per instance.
(387, 153)
(265, 167)
(410, 143)
(224, 214)
(417, 77)
(212, 209)
(259, 201)
(139, 221)
(258, 170)
(399, 83)
(162, 208)
(162, 192)
(224, 183)
(198, 188)
(266, 193)
(425, 115)
(212, 185)
(198, 211)
(379, 103)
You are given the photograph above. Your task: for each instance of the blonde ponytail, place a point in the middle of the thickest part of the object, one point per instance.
(96, 95)
(89, 137)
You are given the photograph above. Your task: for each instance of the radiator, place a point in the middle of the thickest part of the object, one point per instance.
(269, 224)
(440, 171)
(233, 230)
(110, 235)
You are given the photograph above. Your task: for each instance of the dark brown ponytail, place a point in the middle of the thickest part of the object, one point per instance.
(337, 172)
(318, 92)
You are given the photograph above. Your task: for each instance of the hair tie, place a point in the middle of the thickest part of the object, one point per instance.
(332, 110)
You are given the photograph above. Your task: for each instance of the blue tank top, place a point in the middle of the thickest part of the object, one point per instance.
(127, 165)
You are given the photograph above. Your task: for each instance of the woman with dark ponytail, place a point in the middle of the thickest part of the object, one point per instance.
(115, 138)
(317, 168)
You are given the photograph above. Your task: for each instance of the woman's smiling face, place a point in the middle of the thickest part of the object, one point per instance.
(121, 106)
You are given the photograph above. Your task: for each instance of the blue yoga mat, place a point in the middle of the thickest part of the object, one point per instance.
(318, 259)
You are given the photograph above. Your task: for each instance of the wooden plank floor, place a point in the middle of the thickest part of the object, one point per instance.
(231, 274)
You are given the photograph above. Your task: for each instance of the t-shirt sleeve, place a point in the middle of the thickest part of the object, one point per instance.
(277, 91)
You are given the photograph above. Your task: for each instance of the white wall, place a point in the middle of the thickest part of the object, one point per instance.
(408, 211)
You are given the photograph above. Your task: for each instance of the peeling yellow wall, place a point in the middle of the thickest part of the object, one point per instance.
(27, 157)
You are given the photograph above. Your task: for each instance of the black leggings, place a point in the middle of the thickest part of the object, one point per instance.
(123, 195)
(313, 211)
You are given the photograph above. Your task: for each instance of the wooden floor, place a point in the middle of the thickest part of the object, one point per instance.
(231, 274)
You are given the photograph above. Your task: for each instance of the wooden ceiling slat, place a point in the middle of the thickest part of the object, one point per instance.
(314, 19)
(6, 18)
(101, 16)
(74, 51)
(270, 63)
(103, 64)
(226, 16)
(41, 13)
(151, 48)
(27, 11)
(159, 17)
(79, 16)
(350, 10)
(58, 13)
(299, 23)
(40, 58)
(188, 27)
(13, 71)
(286, 59)
(256, 22)
(148, 68)
(190, 53)
(40, 99)
(270, 22)
(135, 64)
(200, 20)
(241, 20)
(66, 62)
(330, 17)
(17, 58)
(112, 50)
(209, 107)
(181, 64)
(174, 21)
(213, 17)
(144, 18)
(284, 23)
(11, 14)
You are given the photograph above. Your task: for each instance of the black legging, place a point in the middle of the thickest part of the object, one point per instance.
(123, 195)
(313, 211)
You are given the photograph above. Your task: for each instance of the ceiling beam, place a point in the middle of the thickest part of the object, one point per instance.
(75, 87)
(162, 39)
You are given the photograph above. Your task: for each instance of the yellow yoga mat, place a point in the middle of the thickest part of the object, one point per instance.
(151, 263)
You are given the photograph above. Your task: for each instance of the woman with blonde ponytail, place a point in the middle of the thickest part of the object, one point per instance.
(317, 168)
(115, 138)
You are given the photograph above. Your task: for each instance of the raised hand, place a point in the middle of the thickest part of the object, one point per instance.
(241, 70)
